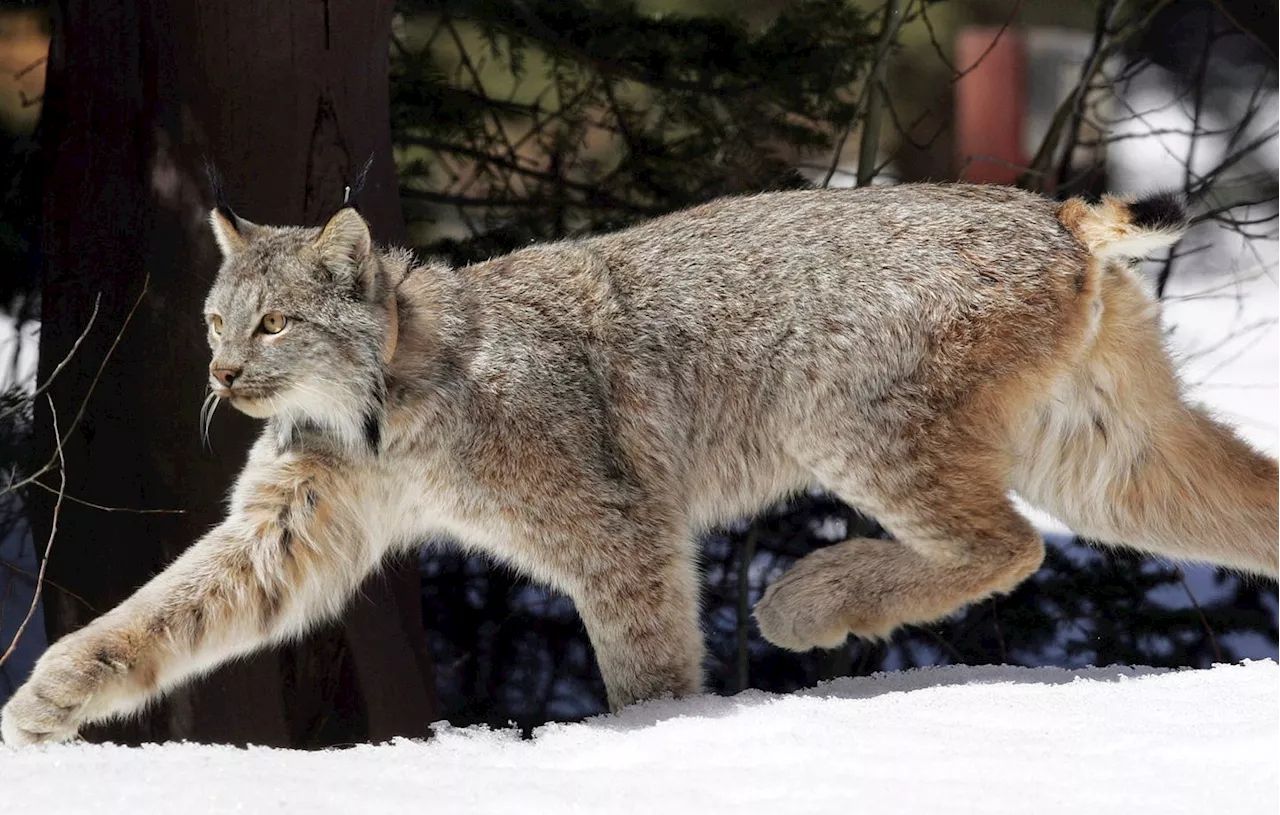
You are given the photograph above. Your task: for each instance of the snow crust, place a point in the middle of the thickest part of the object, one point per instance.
(940, 740)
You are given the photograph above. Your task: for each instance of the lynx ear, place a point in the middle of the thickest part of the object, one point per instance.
(230, 231)
(344, 243)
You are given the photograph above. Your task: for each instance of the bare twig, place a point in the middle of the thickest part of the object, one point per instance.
(84, 403)
(1222, 9)
(16, 569)
(1035, 176)
(869, 149)
(48, 547)
(593, 192)
(1162, 280)
(956, 75)
(951, 650)
(1108, 39)
(75, 347)
(105, 508)
(995, 620)
(1208, 629)
(745, 556)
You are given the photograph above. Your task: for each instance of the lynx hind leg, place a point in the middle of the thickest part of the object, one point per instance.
(639, 603)
(952, 546)
(1172, 482)
(1118, 455)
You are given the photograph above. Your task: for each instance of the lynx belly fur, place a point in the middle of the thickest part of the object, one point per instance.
(583, 410)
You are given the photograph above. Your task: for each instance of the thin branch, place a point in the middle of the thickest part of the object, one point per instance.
(745, 556)
(591, 191)
(995, 620)
(1219, 213)
(1222, 9)
(1208, 629)
(838, 151)
(951, 650)
(869, 149)
(1166, 271)
(427, 196)
(623, 128)
(48, 547)
(956, 76)
(499, 129)
(16, 569)
(1106, 42)
(105, 508)
(1066, 112)
(84, 403)
(863, 104)
(76, 347)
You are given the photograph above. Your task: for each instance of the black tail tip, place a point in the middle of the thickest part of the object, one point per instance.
(1160, 211)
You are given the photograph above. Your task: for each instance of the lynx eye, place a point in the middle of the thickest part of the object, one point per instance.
(215, 322)
(273, 322)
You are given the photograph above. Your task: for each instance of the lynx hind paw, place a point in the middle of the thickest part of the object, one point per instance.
(54, 702)
(791, 617)
(818, 604)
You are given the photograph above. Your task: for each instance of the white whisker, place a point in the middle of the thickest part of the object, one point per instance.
(206, 416)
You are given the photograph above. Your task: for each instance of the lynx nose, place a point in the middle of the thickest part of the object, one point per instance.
(225, 376)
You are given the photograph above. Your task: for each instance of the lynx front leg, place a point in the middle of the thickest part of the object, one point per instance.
(280, 562)
(640, 608)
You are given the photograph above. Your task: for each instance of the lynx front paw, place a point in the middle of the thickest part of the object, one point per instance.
(71, 677)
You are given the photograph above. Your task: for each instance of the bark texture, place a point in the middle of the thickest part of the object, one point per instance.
(288, 99)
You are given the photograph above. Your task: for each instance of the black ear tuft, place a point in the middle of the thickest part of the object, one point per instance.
(1159, 212)
(352, 197)
(220, 202)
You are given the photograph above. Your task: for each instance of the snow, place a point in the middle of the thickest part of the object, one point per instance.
(957, 739)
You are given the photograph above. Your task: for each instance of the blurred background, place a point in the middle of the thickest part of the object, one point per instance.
(494, 123)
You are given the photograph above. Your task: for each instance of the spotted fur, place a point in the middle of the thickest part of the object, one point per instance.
(583, 410)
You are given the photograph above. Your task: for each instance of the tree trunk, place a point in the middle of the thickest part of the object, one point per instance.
(288, 99)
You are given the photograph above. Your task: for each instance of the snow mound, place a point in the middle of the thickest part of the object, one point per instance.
(957, 739)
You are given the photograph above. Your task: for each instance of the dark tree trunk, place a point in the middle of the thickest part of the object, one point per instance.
(288, 98)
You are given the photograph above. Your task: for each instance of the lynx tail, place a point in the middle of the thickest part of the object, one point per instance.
(1120, 228)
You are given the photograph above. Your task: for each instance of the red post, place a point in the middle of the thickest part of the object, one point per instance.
(990, 104)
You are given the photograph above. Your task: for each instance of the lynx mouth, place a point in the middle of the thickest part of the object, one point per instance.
(255, 402)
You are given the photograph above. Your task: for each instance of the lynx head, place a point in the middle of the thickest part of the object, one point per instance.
(301, 323)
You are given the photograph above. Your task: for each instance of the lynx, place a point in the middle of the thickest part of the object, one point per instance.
(583, 410)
